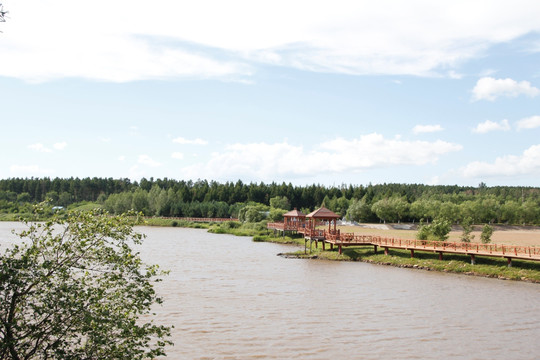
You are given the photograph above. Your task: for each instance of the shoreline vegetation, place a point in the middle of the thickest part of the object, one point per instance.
(521, 270)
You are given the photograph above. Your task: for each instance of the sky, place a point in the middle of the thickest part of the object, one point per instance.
(307, 92)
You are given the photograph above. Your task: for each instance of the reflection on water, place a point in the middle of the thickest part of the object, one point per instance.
(230, 298)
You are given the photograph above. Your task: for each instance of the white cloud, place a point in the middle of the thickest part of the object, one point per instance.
(121, 158)
(268, 161)
(60, 145)
(40, 148)
(171, 38)
(177, 155)
(419, 129)
(511, 165)
(488, 88)
(529, 123)
(454, 75)
(489, 125)
(148, 161)
(183, 141)
(29, 170)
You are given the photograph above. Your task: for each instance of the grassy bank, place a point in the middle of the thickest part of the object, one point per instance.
(488, 267)
(167, 222)
(454, 263)
(485, 266)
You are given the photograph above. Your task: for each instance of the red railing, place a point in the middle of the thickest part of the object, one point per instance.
(347, 239)
(461, 247)
(282, 226)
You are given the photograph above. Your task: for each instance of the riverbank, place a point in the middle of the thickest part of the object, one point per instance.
(486, 267)
(521, 270)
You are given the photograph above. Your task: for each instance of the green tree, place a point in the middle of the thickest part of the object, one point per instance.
(425, 209)
(359, 210)
(280, 202)
(74, 289)
(140, 201)
(449, 211)
(276, 214)
(340, 206)
(24, 197)
(438, 230)
(253, 212)
(466, 224)
(53, 196)
(391, 209)
(485, 236)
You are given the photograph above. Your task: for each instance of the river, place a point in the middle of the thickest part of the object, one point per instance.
(231, 298)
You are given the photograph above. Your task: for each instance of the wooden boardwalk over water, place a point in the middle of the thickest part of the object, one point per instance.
(336, 238)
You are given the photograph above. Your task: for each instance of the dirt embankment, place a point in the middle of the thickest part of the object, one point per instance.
(502, 234)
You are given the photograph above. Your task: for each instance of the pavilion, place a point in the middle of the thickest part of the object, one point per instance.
(322, 215)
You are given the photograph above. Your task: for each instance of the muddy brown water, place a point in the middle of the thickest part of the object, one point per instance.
(231, 298)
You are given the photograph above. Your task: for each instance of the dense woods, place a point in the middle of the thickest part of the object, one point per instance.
(202, 198)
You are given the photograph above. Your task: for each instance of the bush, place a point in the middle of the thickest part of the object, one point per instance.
(438, 230)
(485, 236)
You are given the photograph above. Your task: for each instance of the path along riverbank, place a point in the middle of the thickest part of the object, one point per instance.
(521, 270)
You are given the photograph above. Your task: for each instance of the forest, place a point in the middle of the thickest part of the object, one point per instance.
(202, 198)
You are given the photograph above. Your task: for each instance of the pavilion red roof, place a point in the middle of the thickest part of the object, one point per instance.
(295, 213)
(323, 213)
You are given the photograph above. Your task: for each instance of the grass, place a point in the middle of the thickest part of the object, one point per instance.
(158, 221)
(84, 206)
(485, 266)
(13, 217)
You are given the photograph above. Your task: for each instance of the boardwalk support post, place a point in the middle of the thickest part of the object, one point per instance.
(412, 253)
(473, 259)
(385, 250)
(375, 249)
(509, 261)
(323, 246)
(339, 249)
(440, 255)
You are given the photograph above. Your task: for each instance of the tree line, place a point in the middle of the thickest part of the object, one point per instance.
(202, 198)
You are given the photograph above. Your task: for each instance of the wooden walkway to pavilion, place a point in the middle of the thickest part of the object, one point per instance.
(312, 232)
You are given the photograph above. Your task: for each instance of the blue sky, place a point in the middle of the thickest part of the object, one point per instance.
(326, 92)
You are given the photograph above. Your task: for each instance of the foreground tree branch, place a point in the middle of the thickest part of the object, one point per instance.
(75, 289)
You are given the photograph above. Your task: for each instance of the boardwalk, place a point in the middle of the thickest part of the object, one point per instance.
(336, 238)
